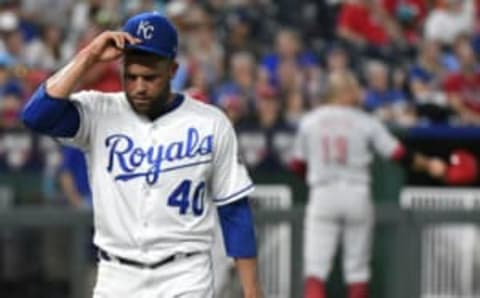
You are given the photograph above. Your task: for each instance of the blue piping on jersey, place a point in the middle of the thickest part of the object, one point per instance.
(235, 194)
(126, 177)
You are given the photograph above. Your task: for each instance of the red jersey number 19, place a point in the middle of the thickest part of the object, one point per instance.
(334, 149)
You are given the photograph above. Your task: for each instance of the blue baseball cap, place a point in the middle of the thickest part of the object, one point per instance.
(156, 32)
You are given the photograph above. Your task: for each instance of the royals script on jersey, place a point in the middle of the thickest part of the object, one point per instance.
(154, 183)
(337, 144)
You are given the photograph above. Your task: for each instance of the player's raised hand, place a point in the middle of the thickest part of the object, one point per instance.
(437, 168)
(109, 45)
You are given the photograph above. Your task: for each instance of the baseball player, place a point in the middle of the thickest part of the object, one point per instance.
(159, 163)
(334, 148)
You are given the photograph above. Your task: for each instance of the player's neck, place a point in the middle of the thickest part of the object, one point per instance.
(163, 106)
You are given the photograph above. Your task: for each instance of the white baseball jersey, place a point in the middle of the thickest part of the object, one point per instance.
(155, 183)
(335, 142)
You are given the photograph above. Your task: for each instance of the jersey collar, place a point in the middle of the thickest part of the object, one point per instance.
(174, 104)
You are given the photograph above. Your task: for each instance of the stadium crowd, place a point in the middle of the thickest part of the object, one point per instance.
(264, 62)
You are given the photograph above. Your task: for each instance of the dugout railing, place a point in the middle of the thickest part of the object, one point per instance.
(407, 224)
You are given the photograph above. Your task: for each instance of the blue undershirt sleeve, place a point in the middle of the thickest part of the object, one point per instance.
(236, 221)
(51, 116)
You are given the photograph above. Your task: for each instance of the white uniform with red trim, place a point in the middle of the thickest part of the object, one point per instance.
(155, 185)
(337, 145)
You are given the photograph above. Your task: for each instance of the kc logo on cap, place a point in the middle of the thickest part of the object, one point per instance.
(145, 29)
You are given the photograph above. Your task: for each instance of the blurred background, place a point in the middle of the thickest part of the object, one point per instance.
(265, 63)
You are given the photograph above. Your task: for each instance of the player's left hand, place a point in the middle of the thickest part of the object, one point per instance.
(437, 168)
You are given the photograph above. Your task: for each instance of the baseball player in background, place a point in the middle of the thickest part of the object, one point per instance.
(159, 163)
(334, 147)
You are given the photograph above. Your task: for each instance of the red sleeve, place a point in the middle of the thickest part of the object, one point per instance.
(399, 153)
(299, 167)
(452, 84)
(390, 6)
(348, 17)
(422, 9)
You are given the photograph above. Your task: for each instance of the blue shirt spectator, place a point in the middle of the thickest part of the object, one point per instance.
(74, 178)
(8, 84)
(271, 63)
(388, 103)
(425, 83)
(242, 79)
(288, 48)
(375, 99)
(418, 72)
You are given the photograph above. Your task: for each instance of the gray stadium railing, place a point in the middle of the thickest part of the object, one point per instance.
(408, 224)
(79, 221)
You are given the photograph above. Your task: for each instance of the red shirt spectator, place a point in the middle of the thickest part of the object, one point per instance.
(463, 87)
(466, 87)
(410, 14)
(359, 20)
(103, 77)
(419, 7)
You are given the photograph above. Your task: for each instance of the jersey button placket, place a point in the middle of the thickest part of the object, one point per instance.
(147, 201)
(153, 136)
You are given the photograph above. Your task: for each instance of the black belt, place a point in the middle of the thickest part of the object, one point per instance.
(108, 257)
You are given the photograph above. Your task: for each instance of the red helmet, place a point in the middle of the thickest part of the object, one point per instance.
(463, 168)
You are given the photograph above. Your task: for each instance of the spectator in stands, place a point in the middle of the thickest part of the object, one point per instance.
(289, 53)
(177, 12)
(463, 87)
(10, 108)
(85, 13)
(239, 33)
(8, 83)
(199, 85)
(425, 79)
(337, 59)
(242, 78)
(205, 53)
(410, 15)
(449, 19)
(234, 106)
(295, 108)
(389, 104)
(265, 141)
(27, 23)
(367, 28)
(56, 11)
(11, 94)
(8, 23)
(49, 52)
(12, 37)
(289, 77)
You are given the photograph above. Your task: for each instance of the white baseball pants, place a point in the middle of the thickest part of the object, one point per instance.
(190, 277)
(339, 212)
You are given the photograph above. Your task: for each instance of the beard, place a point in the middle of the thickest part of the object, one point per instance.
(150, 106)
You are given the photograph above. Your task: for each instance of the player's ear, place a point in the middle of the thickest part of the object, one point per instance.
(173, 68)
